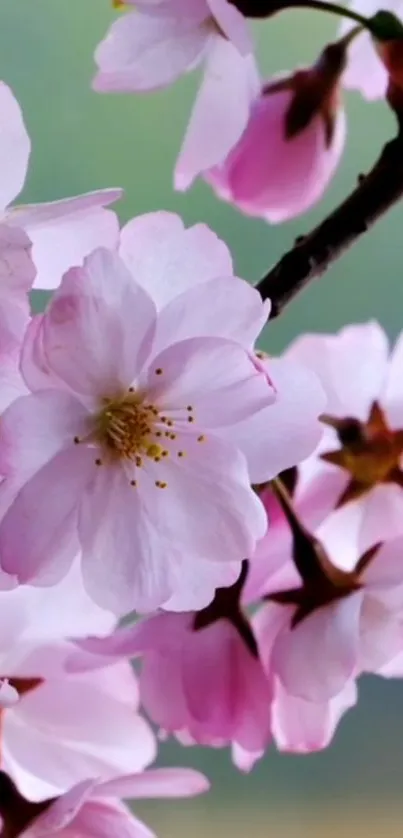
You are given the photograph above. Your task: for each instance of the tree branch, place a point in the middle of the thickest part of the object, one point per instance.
(313, 254)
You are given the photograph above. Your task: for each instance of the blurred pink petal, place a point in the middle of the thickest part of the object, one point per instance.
(273, 177)
(220, 113)
(14, 147)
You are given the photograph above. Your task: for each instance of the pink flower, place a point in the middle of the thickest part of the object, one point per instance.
(201, 675)
(129, 446)
(152, 46)
(289, 149)
(365, 70)
(325, 623)
(93, 808)
(61, 232)
(358, 463)
(58, 728)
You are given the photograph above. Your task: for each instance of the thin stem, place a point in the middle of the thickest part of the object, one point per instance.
(266, 8)
(332, 8)
(312, 255)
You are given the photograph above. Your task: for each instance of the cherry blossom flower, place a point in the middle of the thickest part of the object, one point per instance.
(358, 461)
(92, 807)
(122, 443)
(152, 46)
(58, 728)
(327, 621)
(291, 145)
(61, 232)
(201, 676)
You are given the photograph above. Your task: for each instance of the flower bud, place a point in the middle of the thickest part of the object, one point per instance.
(291, 145)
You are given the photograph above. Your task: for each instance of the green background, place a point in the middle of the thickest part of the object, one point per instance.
(81, 141)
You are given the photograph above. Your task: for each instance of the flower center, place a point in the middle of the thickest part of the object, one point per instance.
(370, 451)
(125, 428)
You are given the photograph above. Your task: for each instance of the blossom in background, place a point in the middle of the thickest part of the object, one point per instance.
(61, 232)
(291, 145)
(151, 46)
(359, 460)
(365, 71)
(201, 677)
(59, 728)
(327, 620)
(93, 808)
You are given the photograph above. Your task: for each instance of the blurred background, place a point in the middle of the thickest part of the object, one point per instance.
(82, 141)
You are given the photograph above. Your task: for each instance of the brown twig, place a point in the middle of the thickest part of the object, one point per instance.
(313, 254)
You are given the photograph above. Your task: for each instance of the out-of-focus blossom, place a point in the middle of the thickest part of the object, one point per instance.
(58, 728)
(201, 676)
(61, 232)
(92, 808)
(366, 71)
(291, 145)
(325, 621)
(358, 463)
(151, 46)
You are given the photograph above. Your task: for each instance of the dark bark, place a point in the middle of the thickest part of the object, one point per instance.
(314, 253)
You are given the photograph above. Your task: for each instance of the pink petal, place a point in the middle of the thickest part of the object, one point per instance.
(216, 376)
(193, 591)
(283, 179)
(352, 366)
(17, 273)
(137, 574)
(392, 398)
(62, 811)
(64, 232)
(229, 518)
(157, 782)
(285, 432)
(100, 820)
(232, 23)
(166, 259)
(14, 147)
(141, 52)
(316, 659)
(382, 516)
(301, 726)
(365, 71)
(220, 113)
(99, 326)
(191, 313)
(35, 428)
(380, 634)
(68, 730)
(66, 610)
(38, 540)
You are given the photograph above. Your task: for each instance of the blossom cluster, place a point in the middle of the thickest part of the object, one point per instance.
(268, 146)
(242, 514)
